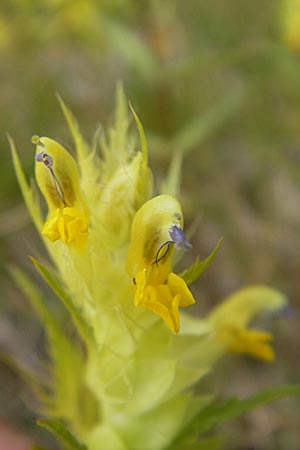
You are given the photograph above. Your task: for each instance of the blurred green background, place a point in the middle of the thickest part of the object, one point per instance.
(219, 80)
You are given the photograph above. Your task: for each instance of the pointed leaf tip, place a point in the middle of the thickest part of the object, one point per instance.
(62, 433)
(82, 326)
(26, 190)
(141, 131)
(198, 267)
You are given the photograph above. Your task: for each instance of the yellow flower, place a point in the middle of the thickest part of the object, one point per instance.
(230, 320)
(156, 230)
(58, 179)
(67, 224)
(255, 343)
(290, 18)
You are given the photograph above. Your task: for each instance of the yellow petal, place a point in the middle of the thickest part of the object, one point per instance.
(60, 185)
(178, 287)
(50, 228)
(255, 343)
(150, 256)
(150, 235)
(243, 305)
(159, 300)
(67, 224)
(140, 281)
(290, 17)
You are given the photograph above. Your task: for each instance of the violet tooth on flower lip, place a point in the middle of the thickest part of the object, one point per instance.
(178, 237)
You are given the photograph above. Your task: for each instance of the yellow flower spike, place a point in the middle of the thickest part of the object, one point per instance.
(156, 230)
(58, 179)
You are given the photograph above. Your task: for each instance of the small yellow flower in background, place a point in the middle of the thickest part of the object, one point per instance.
(156, 229)
(290, 24)
(254, 343)
(231, 318)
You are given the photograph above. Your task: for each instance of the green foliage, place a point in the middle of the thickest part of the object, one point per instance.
(62, 433)
(82, 149)
(219, 411)
(82, 327)
(197, 268)
(37, 301)
(65, 394)
(27, 191)
(144, 146)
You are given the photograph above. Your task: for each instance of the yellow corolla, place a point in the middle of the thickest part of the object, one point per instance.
(230, 321)
(58, 179)
(157, 229)
(290, 18)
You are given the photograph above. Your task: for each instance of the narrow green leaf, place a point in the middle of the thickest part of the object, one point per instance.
(197, 268)
(66, 359)
(220, 411)
(141, 131)
(23, 369)
(61, 432)
(26, 190)
(36, 299)
(81, 325)
(82, 149)
(235, 407)
(119, 133)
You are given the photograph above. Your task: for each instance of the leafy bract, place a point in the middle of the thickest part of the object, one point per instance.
(198, 267)
(219, 411)
(61, 432)
(82, 327)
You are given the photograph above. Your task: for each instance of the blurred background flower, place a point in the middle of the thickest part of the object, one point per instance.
(217, 80)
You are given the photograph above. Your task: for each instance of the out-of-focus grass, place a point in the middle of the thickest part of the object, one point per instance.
(214, 79)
